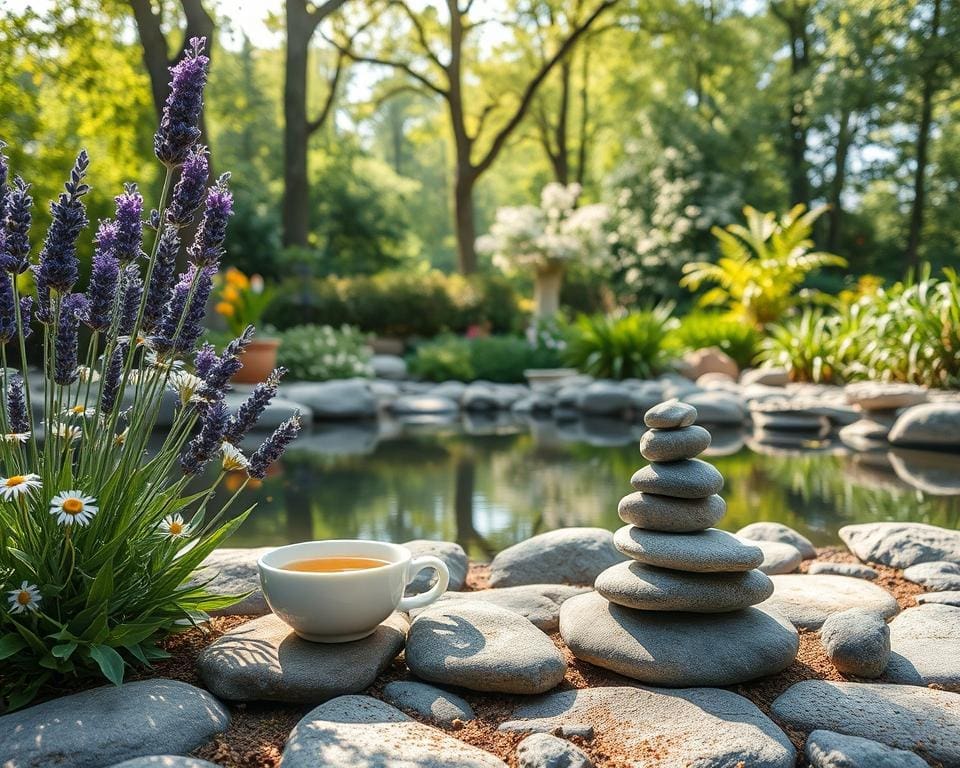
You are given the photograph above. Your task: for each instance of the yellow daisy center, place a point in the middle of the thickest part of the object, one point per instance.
(175, 528)
(24, 598)
(72, 506)
(13, 482)
(78, 409)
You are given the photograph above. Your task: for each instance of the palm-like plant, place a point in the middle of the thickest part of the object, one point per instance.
(762, 265)
(623, 347)
(805, 345)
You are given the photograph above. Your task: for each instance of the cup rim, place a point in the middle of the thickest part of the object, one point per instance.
(404, 556)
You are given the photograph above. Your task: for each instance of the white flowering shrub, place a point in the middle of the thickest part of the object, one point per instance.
(321, 352)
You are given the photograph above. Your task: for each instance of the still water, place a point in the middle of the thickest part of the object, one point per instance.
(489, 484)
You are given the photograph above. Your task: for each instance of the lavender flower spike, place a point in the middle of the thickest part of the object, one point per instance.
(130, 303)
(249, 413)
(26, 307)
(179, 124)
(167, 339)
(4, 171)
(161, 280)
(190, 188)
(205, 359)
(129, 222)
(111, 380)
(207, 246)
(215, 382)
(74, 307)
(205, 445)
(273, 447)
(8, 309)
(16, 251)
(104, 278)
(58, 257)
(17, 405)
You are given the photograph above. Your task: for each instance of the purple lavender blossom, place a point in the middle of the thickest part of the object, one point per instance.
(16, 251)
(129, 221)
(130, 303)
(161, 280)
(179, 123)
(189, 189)
(188, 318)
(58, 257)
(4, 172)
(104, 278)
(206, 444)
(207, 246)
(17, 416)
(111, 380)
(205, 359)
(26, 308)
(8, 309)
(273, 447)
(73, 307)
(44, 314)
(250, 411)
(227, 364)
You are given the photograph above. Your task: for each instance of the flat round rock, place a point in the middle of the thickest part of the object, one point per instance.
(688, 479)
(703, 551)
(664, 513)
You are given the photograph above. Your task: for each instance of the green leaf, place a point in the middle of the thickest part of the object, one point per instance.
(109, 661)
(63, 650)
(10, 644)
(102, 588)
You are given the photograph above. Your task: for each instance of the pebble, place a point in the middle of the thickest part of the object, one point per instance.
(717, 408)
(901, 545)
(807, 600)
(642, 587)
(777, 556)
(663, 513)
(826, 749)
(604, 398)
(951, 597)
(670, 415)
(234, 572)
(677, 649)
(452, 555)
(674, 444)
(426, 700)
(135, 719)
(768, 531)
(932, 425)
(770, 377)
(363, 732)
(900, 716)
(264, 660)
(564, 556)
(484, 648)
(857, 642)
(539, 603)
(688, 479)
(939, 575)
(659, 728)
(843, 569)
(542, 750)
(709, 550)
(926, 646)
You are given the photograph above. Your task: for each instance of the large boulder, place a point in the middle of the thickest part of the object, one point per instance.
(931, 425)
(564, 556)
(901, 545)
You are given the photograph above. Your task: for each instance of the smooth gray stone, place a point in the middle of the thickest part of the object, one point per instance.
(808, 600)
(768, 531)
(564, 556)
(479, 397)
(931, 425)
(826, 749)
(111, 724)
(542, 750)
(687, 727)
(604, 398)
(689, 479)
(939, 575)
(671, 414)
(866, 433)
(768, 377)
(709, 550)
(483, 648)
(165, 761)
(901, 545)
(674, 444)
(452, 390)
(391, 367)
(634, 585)
(538, 603)
(427, 700)
(857, 642)
(717, 407)
(363, 732)
(933, 472)
(901, 716)
(951, 597)
(236, 574)
(843, 569)
(664, 513)
(777, 556)
(884, 395)
(264, 660)
(925, 645)
(340, 399)
(450, 552)
(416, 405)
(789, 422)
(678, 649)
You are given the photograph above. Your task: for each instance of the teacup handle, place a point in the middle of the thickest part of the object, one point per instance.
(443, 578)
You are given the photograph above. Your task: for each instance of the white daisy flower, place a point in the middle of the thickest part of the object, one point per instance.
(79, 410)
(174, 527)
(73, 507)
(88, 374)
(16, 485)
(233, 457)
(121, 438)
(186, 385)
(16, 437)
(164, 364)
(26, 598)
(65, 431)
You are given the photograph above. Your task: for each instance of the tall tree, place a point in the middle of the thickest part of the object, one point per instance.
(450, 76)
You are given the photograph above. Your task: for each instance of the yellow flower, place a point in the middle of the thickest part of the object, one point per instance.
(225, 308)
(236, 278)
(230, 293)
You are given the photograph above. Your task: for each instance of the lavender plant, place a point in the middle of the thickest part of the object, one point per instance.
(99, 538)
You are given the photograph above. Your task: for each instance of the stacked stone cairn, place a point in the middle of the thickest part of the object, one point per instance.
(681, 610)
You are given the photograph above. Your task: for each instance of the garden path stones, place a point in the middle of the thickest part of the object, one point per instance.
(663, 729)
(903, 716)
(450, 552)
(843, 569)
(901, 545)
(951, 597)
(264, 660)
(826, 749)
(671, 414)
(709, 550)
(925, 642)
(645, 588)
(426, 700)
(565, 556)
(932, 425)
(484, 648)
(939, 574)
(777, 556)
(857, 642)
(677, 649)
(688, 479)
(363, 732)
(662, 513)
(236, 573)
(541, 750)
(165, 761)
(674, 444)
(807, 600)
(539, 603)
(767, 531)
(111, 724)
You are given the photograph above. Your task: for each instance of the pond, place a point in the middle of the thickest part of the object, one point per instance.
(488, 484)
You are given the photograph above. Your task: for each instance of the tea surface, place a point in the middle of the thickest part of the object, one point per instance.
(338, 564)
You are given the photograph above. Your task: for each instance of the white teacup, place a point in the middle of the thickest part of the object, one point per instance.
(336, 607)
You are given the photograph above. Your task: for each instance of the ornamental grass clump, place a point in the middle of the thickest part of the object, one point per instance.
(99, 538)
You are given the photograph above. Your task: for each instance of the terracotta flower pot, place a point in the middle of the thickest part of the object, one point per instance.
(259, 359)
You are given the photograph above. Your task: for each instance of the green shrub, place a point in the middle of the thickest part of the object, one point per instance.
(505, 358)
(701, 329)
(442, 359)
(806, 346)
(321, 352)
(630, 346)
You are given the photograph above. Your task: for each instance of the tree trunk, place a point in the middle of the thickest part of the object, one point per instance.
(546, 290)
(466, 225)
(834, 217)
(296, 191)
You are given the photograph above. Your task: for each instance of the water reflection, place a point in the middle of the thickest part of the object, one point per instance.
(491, 481)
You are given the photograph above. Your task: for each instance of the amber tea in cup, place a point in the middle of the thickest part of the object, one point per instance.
(335, 564)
